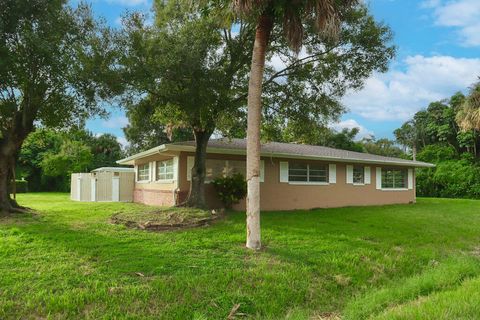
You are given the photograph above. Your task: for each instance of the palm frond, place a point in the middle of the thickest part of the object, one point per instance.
(247, 6)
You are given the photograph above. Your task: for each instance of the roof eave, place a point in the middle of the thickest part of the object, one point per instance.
(131, 160)
(174, 147)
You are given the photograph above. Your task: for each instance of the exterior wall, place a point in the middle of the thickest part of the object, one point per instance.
(154, 197)
(151, 192)
(276, 195)
(127, 185)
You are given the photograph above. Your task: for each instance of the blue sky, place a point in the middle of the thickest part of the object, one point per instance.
(438, 54)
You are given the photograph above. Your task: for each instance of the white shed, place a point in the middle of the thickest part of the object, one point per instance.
(107, 184)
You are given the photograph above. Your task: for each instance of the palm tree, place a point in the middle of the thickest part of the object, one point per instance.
(468, 116)
(326, 16)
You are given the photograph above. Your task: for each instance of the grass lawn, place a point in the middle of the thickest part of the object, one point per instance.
(417, 261)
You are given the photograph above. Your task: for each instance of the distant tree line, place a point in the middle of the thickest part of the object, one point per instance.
(48, 157)
(446, 133)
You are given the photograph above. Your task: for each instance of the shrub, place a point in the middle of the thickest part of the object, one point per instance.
(21, 186)
(450, 179)
(230, 189)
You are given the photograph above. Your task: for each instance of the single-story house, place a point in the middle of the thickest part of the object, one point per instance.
(293, 176)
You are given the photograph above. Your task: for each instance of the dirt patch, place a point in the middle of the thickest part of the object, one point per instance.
(167, 219)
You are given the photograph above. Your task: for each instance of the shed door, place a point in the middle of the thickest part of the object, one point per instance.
(115, 188)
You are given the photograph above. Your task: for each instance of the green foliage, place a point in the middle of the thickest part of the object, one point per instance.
(212, 93)
(382, 147)
(434, 132)
(58, 67)
(72, 157)
(21, 186)
(450, 179)
(145, 131)
(436, 153)
(231, 189)
(307, 94)
(49, 156)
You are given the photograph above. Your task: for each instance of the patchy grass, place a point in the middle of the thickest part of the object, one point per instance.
(393, 262)
(154, 218)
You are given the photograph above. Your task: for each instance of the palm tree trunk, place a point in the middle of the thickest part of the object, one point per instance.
(196, 196)
(262, 35)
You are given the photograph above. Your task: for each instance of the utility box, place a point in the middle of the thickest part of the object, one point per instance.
(107, 184)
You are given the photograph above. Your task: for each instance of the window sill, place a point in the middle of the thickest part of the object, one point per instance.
(359, 184)
(394, 189)
(309, 183)
(142, 181)
(165, 181)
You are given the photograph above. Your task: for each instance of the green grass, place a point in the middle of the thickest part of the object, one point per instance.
(394, 262)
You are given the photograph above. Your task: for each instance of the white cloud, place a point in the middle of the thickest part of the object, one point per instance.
(115, 122)
(461, 14)
(350, 124)
(129, 3)
(398, 94)
(123, 141)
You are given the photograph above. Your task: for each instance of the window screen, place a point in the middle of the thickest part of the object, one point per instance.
(165, 170)
(143, 172)
(394, 178)
(302, 172)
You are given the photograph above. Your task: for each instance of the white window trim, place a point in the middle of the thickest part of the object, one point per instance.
(165, 181)
(303, 183)
(359, 184)
(394, 189)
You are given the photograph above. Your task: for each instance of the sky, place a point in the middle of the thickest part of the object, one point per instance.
(438, 54)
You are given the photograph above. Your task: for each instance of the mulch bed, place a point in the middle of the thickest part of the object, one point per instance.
(156, 226)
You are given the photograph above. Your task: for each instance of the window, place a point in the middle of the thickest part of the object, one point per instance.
(301, 172)
(222, 168)
(165, 170)
(143, 172)
(394, 178)
(358, 174)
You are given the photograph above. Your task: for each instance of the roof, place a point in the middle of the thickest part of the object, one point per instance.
(113, 169)
(279, 150)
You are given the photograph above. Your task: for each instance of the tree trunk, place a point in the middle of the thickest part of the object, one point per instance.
(5, 203)
(475, 143)
(414, 152)
(196, 196)
(264, 27)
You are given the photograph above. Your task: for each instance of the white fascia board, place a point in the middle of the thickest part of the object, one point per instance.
(130, 160)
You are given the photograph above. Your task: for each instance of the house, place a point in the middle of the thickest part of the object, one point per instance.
(293, 176)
